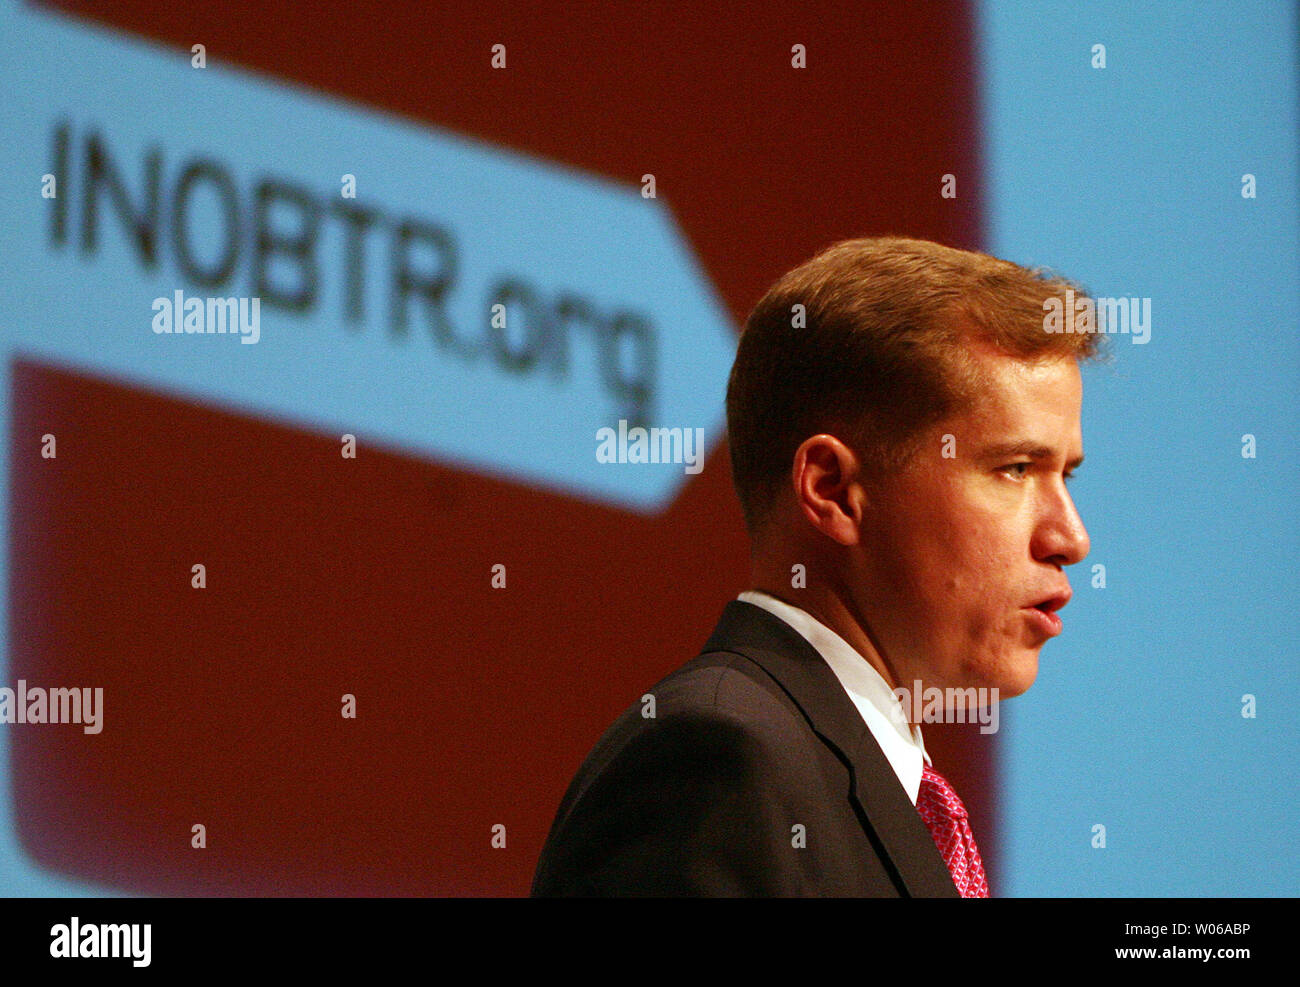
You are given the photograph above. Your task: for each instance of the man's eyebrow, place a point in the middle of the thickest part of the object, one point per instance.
(1034, 450)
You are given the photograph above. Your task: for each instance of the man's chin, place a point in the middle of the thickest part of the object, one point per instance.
(1016, 681)
(1016, 688)
(1009, 678)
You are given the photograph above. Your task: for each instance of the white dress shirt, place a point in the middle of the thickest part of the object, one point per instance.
(871, 694)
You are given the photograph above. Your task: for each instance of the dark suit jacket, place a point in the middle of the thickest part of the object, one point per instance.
(750, 740)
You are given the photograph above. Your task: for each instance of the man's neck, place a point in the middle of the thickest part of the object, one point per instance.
(830, 609)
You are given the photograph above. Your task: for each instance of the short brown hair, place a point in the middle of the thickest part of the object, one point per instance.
(881, 353)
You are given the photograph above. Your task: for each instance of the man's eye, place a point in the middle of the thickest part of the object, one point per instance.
(1022, 467)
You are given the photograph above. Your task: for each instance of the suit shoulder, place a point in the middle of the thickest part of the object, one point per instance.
(723, 690)
(697, 798)
(722, 682)
(718, 709)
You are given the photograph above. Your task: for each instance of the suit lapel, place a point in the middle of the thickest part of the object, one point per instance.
(798, 669)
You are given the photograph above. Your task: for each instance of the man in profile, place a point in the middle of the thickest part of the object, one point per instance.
(902, 420)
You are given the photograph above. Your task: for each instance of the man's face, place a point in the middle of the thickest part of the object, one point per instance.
(958, 551)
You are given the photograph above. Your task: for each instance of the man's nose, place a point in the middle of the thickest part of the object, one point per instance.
(1061, 537)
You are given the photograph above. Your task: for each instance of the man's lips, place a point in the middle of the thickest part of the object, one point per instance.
(1043, 612)
(1054, 601)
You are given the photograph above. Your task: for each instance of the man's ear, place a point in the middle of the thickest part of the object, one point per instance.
(825, 476)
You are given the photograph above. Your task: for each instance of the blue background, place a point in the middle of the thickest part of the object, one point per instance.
(1129, 179)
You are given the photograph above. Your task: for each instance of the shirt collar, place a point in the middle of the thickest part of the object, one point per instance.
(900, 742)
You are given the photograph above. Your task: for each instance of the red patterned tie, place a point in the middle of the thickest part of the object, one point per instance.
(948, 823)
